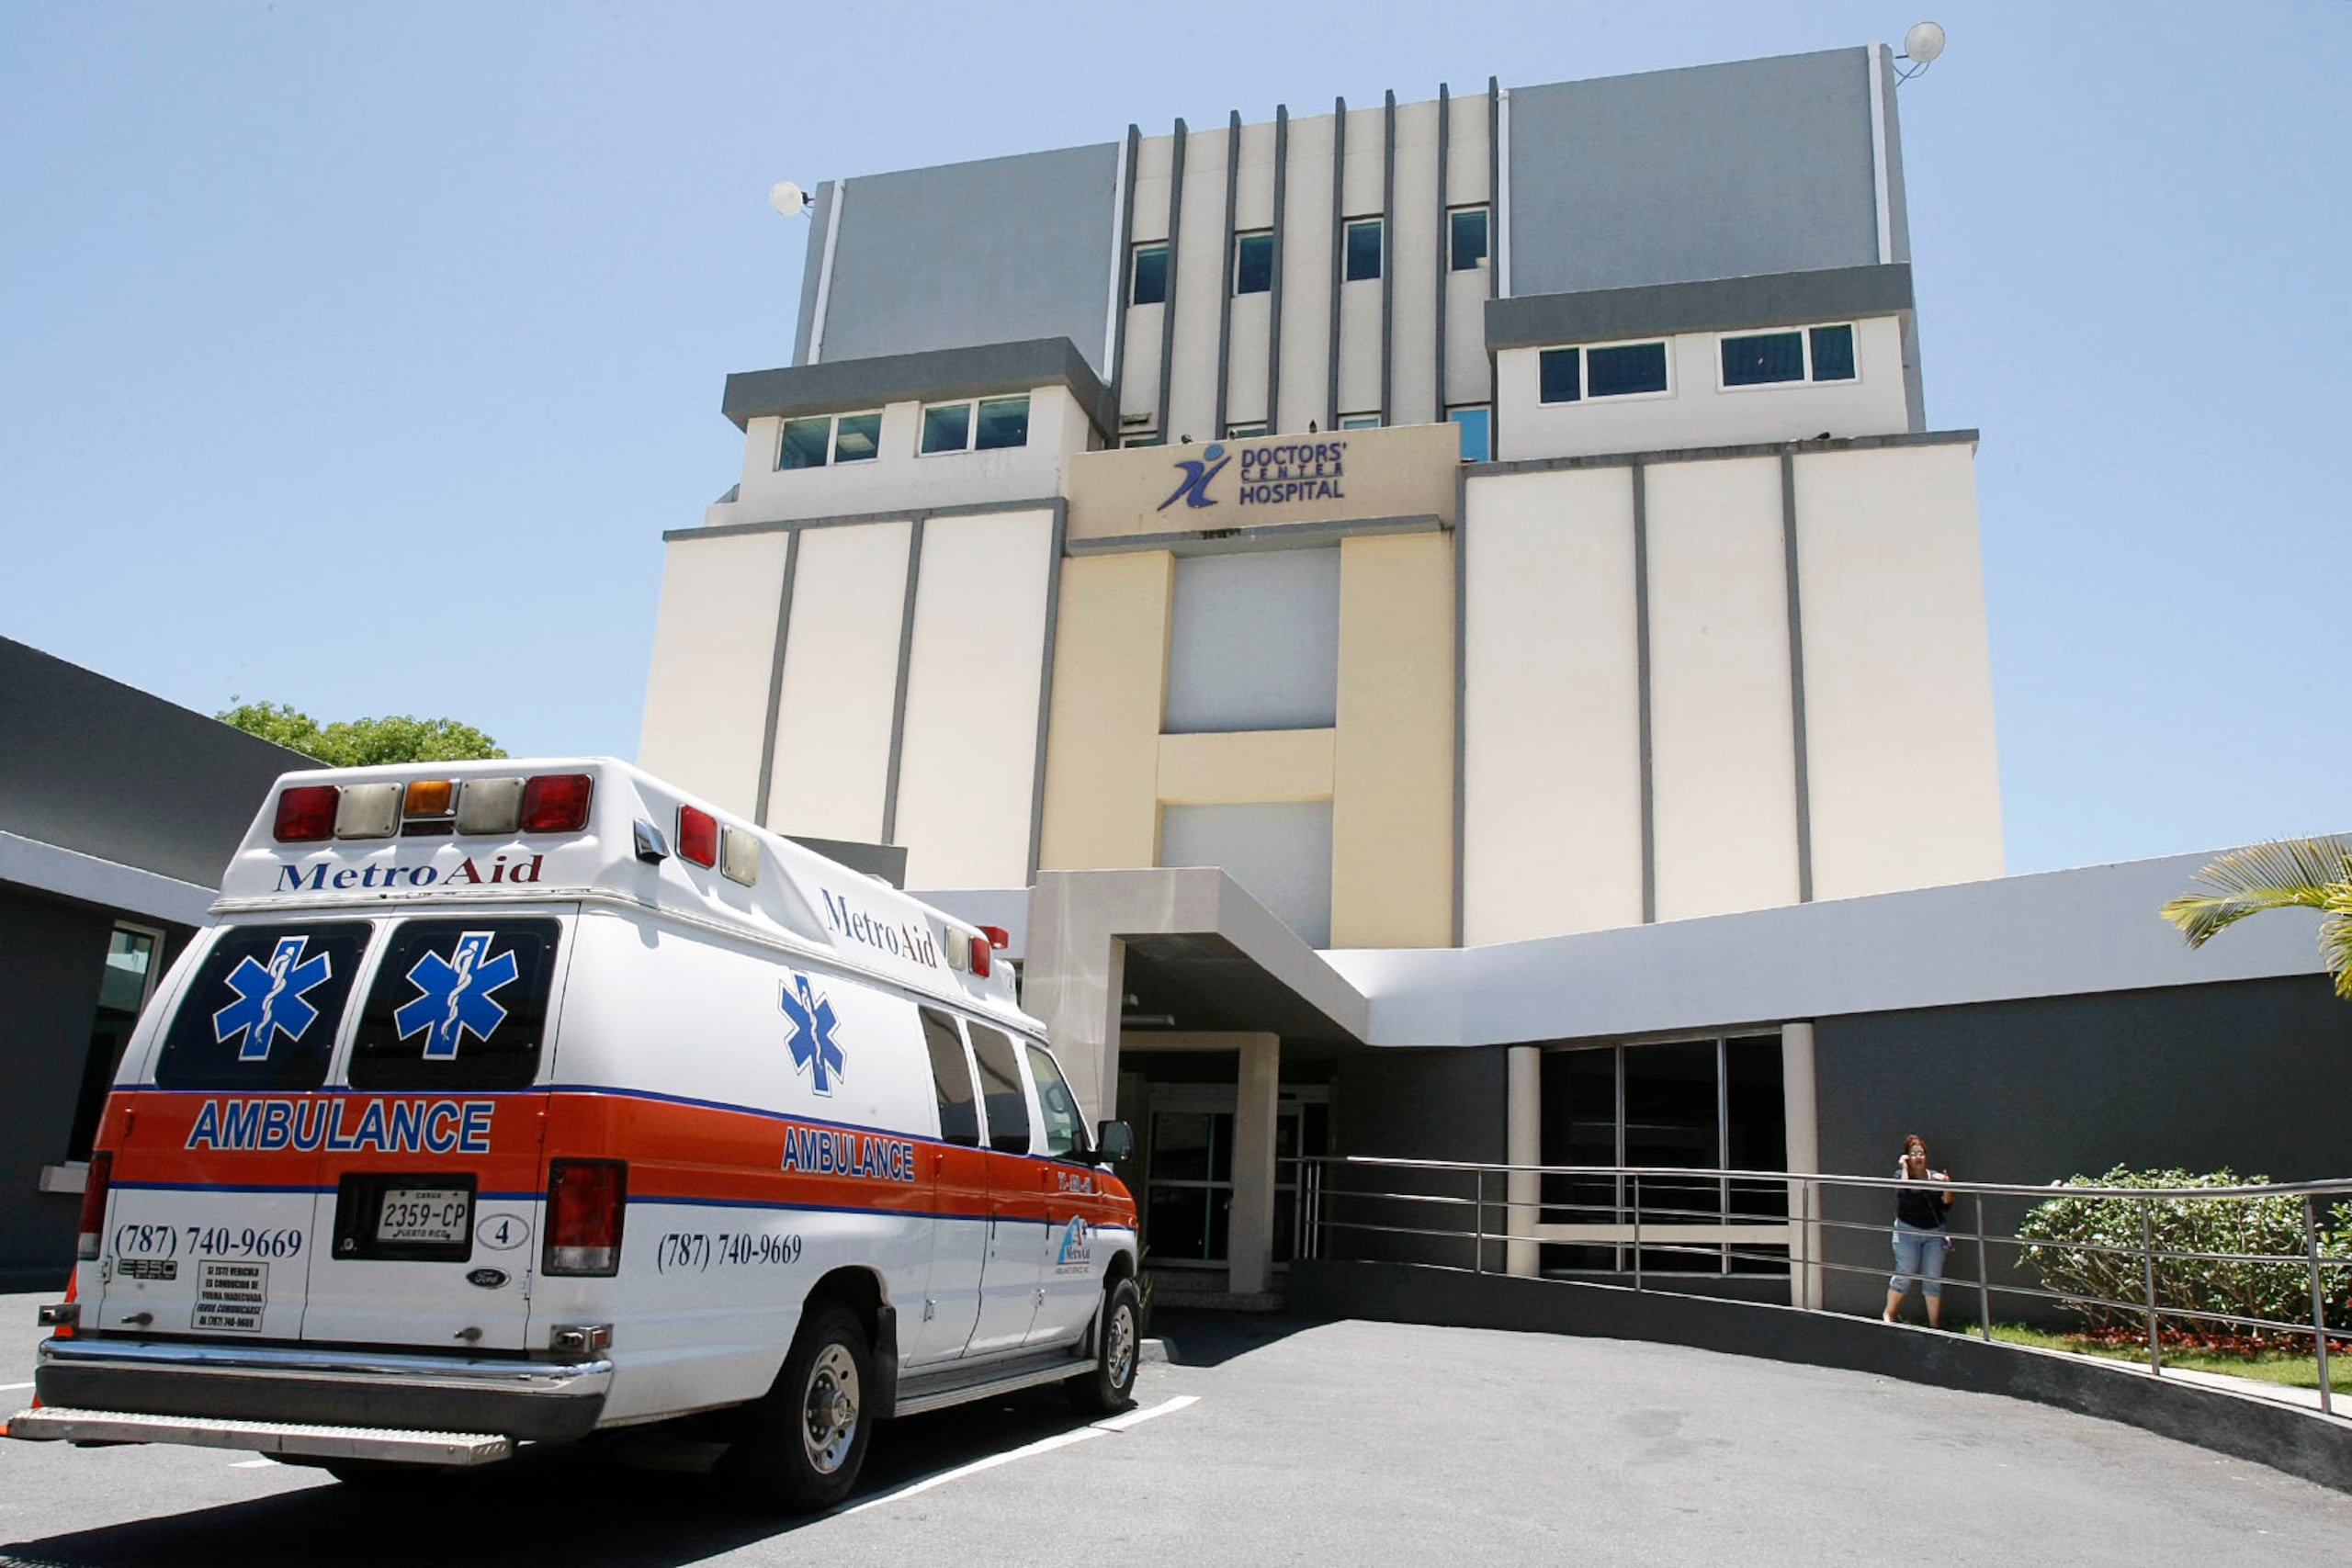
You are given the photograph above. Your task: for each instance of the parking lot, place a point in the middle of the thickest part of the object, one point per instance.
(1337, 1442)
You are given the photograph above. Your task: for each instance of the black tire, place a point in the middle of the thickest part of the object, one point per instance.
(1108, 1385)
(792, 1456)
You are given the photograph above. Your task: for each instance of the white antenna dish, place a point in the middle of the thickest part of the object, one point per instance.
(1923, 43)
(793, 202)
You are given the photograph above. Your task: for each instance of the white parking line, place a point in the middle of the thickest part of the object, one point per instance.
(255, 1465)
(14, 1387)
(1043, 1445)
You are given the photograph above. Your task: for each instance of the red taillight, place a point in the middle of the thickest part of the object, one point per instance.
(306, 813)
(585, 1199)
(555, 803)
(981, 957)
(697, 836)
(94, 1202)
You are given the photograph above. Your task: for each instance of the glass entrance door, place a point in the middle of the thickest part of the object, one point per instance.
(1188, 1202)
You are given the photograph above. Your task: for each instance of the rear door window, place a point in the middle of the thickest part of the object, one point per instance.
(263, 1010)
(1000, 1086)
(959, 1115)
(456, 1004)
(1065, 1127)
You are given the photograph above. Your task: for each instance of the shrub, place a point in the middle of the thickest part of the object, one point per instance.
(2108, 1288)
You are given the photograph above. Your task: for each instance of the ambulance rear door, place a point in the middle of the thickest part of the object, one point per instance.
(426, 1228)
(212, 1156)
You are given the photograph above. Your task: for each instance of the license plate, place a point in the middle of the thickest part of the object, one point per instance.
(429, 1215)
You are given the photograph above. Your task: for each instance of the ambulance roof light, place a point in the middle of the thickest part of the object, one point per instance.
(490, 805)
(999, 938)
(306, 814)
(697, 836)
(555, 803)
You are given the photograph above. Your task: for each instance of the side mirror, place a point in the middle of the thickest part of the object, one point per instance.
(1113, 1142)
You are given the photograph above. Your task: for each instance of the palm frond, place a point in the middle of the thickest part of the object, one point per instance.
(2336, 937)
(2284, 873)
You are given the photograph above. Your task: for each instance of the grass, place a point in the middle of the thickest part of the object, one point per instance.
(2283, 1368)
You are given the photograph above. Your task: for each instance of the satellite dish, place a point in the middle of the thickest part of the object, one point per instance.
(1923, 42)
(792, 201)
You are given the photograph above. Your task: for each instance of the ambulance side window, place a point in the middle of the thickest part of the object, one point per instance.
(1000, 1082)
(456, 1004)
(1065, 1127)
(951, 1079)
(263, 1010)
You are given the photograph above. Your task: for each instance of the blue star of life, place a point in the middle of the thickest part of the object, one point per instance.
(814, 1049)
(454, 995)
(269, 1000)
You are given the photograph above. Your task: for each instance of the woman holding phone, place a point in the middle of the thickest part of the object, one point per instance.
(1921, 1239)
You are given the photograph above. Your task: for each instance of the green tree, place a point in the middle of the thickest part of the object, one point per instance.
(2306, 874)
(362, 742)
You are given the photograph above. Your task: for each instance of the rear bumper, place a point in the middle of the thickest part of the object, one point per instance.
(541, 1401)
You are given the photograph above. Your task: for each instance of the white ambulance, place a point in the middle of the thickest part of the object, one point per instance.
(513, 1101)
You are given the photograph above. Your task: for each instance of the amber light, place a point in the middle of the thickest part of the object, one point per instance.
(429, 797)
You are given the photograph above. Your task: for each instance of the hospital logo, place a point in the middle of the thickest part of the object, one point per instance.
(269, 1000)
(1198, 472)
(815, 1051)
(454, 996)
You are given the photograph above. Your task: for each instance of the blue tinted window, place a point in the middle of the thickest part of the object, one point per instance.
(1467, 239)
(947, 428)
(262, 1011)
(1004, 422)
(1624, 370)
(1761, 360)
(1557, 376)
(1476, 425)
(1364, 250)
(804, 443)
(1832, 353)
(1253, 263)
(1151, 275)
(857, 437)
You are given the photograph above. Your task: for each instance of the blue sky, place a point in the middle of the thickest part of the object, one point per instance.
(357, 357)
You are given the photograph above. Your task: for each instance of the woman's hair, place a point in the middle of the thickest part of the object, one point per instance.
(1909, 1139)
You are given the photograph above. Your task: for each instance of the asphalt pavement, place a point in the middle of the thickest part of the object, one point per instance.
(1267, 1441)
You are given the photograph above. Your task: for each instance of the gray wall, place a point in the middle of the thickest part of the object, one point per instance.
(52, 954)
(1715, 171)
(2254, 1074)
(970, 254)
(1415, 1105)
(93, 765)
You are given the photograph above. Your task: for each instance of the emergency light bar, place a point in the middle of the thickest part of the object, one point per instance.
(547, 802)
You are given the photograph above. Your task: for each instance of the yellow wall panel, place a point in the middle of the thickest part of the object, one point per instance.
(1102, 735)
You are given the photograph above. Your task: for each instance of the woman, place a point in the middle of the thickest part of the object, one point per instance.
(1920, 1237)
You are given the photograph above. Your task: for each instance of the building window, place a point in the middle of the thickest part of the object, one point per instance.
(1151, 283)
(1363, 249)
(1244, 432)
(133, 959)
(805, 443)
(946, 427)
(1465, 242)
(1691, 1104)
(1003, 421)
(1612, 370)
(1253, 262)
(1477, 425)
(1359, 421)
(1148, 439)
(1810, 354)
(857, 437)
(1253, 643)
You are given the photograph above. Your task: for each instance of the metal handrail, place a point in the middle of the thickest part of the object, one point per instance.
(1803, 1224)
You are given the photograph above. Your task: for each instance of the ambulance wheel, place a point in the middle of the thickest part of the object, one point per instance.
(802, 1445)
(1110, 1384)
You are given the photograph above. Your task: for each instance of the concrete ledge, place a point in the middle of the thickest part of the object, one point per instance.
(2302, 1443)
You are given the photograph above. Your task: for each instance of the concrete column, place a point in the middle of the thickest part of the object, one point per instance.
(1523, 1145)
(1250, 1241)
(1801, 1118)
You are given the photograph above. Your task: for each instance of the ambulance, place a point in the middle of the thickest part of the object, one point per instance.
(510, 1102)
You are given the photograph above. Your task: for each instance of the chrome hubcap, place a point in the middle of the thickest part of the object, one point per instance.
(1119, 1358)
(828, 1414)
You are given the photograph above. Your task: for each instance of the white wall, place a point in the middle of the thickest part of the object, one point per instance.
(901, 478)
(713, 641)
(1279, 852)
(1254, 642)
(1551, 765)
(841, 679)
(1200, 288)
(1412, 262)
(968, 766)
(1722, 745)
(1898, 671)
(1697, 411)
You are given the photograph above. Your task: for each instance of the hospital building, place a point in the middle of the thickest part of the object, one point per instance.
(1446, 625)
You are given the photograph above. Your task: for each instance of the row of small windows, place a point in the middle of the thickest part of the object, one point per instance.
(1362, 244)
(1751, 359)
(985, 424)
(1476, 423)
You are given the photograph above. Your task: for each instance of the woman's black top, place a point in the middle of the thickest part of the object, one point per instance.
(1922, 1208)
